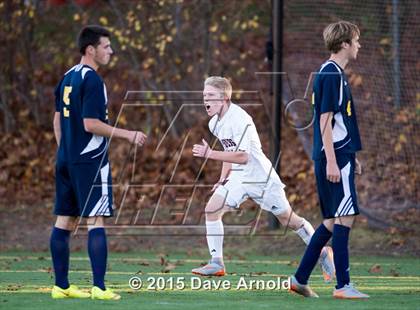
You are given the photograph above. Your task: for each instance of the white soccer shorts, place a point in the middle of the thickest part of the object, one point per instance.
(269, 196)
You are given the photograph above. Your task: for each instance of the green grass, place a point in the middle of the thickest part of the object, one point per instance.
(25, 281)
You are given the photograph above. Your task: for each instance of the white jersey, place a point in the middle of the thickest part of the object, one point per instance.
(236, 132)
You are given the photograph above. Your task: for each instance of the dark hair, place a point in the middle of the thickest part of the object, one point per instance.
(91, 35)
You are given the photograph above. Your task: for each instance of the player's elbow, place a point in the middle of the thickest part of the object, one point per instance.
(326, 118)
(243, 158)
(89, 124)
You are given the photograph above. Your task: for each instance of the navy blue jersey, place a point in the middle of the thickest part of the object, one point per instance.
(331, 93)
(81, 94)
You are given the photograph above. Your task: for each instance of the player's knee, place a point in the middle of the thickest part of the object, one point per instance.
(214, 217)
(215, 211)
(66, 222)
(329, 224)
(95, 222)
(214, 207)
(345, 221)
(213, 214)
(285, 218)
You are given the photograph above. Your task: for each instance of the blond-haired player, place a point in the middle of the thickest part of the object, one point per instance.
(246, 173)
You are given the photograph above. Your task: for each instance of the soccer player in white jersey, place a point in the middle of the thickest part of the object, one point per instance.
(246, 173)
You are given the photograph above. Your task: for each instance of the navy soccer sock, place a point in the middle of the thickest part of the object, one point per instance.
(60, 254)
(340, 244)
(98, 253)
(318, 240)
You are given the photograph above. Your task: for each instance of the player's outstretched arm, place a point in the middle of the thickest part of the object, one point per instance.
(99, 128)
(204, 150)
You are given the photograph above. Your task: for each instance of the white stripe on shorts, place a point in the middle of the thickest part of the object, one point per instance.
(343, 208)
(103, 202)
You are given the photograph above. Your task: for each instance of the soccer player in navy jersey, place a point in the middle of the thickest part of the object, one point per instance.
(83, 177)
(336, 141)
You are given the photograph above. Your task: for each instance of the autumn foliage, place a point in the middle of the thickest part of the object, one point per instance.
(165, 49)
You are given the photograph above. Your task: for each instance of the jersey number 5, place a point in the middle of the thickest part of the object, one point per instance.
(66, 100)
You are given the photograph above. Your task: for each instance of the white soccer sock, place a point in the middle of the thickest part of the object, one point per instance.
(215, 234)
(305, 231)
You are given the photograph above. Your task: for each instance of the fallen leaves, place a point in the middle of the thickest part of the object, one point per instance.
(376, 268)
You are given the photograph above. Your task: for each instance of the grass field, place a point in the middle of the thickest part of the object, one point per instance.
(26, 279)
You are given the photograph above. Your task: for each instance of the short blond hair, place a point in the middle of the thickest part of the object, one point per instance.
(337, 33)
(221, 83)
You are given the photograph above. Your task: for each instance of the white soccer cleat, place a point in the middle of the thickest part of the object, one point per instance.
(301, 289)
(348, 291)
(211, 269)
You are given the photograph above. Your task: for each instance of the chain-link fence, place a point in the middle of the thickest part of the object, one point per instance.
(384, 82)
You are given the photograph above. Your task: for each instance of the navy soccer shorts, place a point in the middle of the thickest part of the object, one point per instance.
(83, 189)
(337, 199)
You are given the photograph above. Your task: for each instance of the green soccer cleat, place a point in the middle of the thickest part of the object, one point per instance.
(71, 292)
(348, 291)
(326, 260)
(108, 294)
(301, 289)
